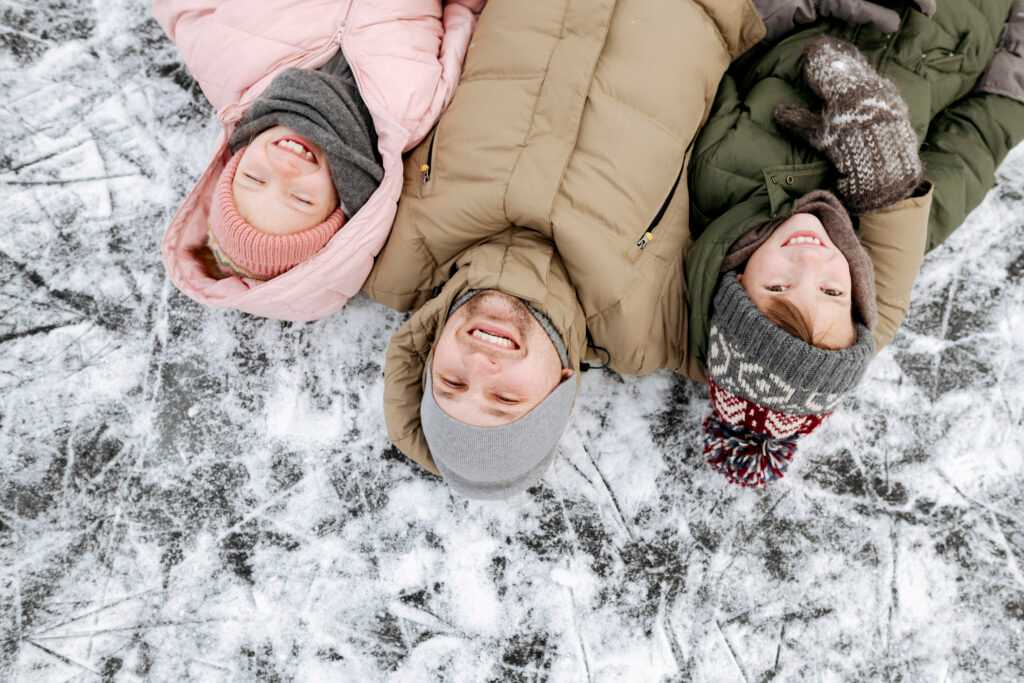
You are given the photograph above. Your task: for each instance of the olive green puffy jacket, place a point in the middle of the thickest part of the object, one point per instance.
(745, 170)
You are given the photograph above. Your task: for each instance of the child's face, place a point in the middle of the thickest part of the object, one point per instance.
(283, 184)
(493, 363)
(799, 263)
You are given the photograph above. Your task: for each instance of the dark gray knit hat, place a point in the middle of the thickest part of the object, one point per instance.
(751, 357)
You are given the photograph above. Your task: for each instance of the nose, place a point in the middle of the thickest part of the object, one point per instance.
(483, 363)
(284, 163)
(287, 168)
(810, 254)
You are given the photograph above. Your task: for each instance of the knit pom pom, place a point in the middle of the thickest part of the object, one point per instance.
(745, 457)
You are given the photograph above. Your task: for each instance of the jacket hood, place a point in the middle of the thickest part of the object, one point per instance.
(411, 345)
(309, 291)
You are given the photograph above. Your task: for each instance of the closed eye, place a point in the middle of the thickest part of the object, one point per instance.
(508, 400)
(301, 200)
(453, 384)
(258, 181)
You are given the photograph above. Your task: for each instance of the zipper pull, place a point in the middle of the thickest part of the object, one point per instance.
(647, 237)
(425, 173)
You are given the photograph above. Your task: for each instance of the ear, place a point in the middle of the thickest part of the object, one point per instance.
(566, 374)
(739, 277)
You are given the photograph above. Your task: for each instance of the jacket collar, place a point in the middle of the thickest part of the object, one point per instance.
(505, 269)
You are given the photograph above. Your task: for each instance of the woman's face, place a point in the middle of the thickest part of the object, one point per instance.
(283, 184)
(799, 263)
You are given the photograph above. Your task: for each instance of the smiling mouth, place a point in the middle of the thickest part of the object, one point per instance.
(803, 238)
(294, 146)
(494, 338)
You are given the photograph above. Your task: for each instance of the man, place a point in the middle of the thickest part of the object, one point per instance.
(554, 190)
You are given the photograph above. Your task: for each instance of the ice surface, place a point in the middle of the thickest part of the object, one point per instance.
(194, 494)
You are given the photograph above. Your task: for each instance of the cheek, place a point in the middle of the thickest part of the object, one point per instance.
(325, 184)
(841, 271)
(446, 354)
(250, 156)
(543, 372)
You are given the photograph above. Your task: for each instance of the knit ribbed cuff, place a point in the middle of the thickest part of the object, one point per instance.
(252, 252)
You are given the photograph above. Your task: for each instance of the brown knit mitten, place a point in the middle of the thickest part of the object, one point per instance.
(864, 127)
(1005, 73)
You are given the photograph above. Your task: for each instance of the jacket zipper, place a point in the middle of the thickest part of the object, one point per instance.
(648, 235)
(426, 168)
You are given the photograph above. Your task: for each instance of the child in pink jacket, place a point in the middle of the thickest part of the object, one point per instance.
(318, 100)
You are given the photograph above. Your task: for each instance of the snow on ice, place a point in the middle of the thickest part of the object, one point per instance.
(190, 494)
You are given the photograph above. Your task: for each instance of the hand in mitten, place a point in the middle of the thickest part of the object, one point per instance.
(864, 127)
(782, 16)
(1005, 73)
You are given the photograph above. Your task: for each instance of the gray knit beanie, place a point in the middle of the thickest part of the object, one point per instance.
(752, 357)
(495, 463)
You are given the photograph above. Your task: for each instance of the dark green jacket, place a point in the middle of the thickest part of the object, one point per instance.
(745, 170)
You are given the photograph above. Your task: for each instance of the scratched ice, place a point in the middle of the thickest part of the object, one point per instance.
(194, 494)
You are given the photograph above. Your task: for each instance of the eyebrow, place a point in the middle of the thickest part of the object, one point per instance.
(493, 412)
(311, 211)
(844, 300)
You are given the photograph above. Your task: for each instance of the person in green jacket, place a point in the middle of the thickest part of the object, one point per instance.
(810, 140)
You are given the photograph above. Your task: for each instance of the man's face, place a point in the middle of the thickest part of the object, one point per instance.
(493, 362)
(800, 263)
(283, 184)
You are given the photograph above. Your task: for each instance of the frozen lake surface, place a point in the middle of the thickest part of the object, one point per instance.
(192, 494)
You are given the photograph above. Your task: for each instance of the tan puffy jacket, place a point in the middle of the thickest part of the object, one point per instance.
(558, 175)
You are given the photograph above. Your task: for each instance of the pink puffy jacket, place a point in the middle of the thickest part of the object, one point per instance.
(406, 56)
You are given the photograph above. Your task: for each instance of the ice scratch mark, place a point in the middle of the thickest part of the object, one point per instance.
(63, 658)
(944, 329)
(26, 34)
(778, 649)
(90, 613)
(579, 634)
(131, 629)
(732, 652)
(607, 488)
(425, 618)
(46, 157)
(583, 476)
(668, 629)
(67, 181)
(1007, 519)
(212, 665)
(32, 331)
(893, 587)
(1008, 548)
